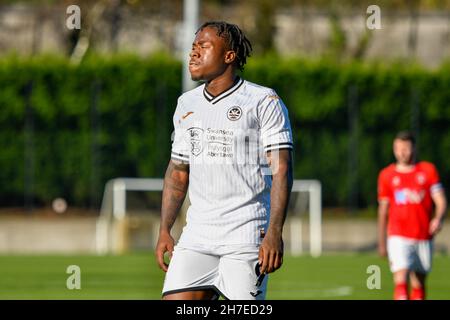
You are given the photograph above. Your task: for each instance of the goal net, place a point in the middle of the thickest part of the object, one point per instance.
(130, 214)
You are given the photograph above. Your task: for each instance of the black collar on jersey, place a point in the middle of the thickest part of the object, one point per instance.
(226, 93)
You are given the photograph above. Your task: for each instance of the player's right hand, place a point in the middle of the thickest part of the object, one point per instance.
(435, 226)
(165, 244)
(382, 250)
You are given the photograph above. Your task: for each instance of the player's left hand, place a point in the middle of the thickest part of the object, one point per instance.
(435, 226)
(271, 253)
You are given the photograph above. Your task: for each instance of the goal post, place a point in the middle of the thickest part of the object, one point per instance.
(111, 229)
(314, 190)
(113, 224)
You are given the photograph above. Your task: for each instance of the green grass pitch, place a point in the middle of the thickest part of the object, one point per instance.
(136, 276)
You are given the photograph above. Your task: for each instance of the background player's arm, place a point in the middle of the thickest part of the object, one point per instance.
(271, 250)
(440, 202)
(176, 181)
(383, 209)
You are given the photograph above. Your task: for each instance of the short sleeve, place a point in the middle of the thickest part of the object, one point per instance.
(276, 132)
(435, 182)
(180, 142)
(384, 192)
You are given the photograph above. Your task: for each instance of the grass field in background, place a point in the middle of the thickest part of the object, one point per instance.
(136, 276)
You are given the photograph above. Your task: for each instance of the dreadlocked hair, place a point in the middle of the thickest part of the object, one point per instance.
(235, 39)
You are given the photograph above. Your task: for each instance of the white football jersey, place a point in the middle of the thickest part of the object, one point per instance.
(224, 139)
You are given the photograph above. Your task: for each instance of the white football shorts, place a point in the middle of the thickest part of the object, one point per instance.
(405, 253)
(232, 271)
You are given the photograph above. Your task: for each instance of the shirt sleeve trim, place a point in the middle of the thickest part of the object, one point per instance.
(436, 187)
(283, 145)
(180, 156)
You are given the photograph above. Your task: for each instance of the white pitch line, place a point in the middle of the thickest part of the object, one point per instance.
(338, 292)
(319, 293)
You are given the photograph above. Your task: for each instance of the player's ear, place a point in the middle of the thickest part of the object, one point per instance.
(230, 56)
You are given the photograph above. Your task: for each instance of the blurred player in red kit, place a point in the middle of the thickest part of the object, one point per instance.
(406, 193)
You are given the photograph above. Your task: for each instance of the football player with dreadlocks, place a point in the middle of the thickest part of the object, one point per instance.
(233, 148)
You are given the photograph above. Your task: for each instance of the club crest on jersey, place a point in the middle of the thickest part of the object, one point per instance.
(196, 138)
(396, 181)
(420, 178)
(234, 113)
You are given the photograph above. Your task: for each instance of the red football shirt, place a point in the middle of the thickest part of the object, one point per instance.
(409, 196)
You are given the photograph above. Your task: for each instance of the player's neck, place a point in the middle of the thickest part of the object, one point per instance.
(221, 84)
(404, 167)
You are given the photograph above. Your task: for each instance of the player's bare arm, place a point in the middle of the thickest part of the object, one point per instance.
(176, 181)
(383, 209)
(440, 202)
(271, 250)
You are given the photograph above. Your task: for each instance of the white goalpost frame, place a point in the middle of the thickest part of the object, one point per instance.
(314, 189)
(115, 190)
(114, 209)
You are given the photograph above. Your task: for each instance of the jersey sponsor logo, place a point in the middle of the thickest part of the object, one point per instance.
(408, 196)
(234, 113)
(196, 139)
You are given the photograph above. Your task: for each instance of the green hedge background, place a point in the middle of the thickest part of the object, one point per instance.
(65, 130)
